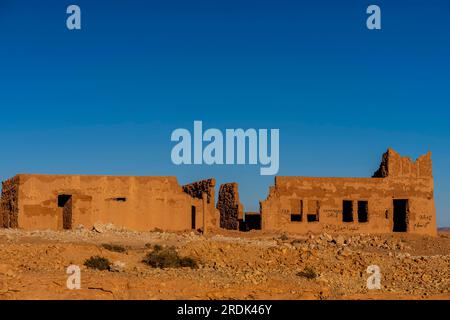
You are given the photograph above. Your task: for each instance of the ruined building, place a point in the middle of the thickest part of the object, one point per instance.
(398, 198)
(137, 203)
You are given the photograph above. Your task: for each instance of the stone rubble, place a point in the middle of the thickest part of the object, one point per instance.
(232, 265)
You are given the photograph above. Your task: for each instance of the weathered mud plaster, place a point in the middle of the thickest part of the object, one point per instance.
(136, 203)
(400, 197)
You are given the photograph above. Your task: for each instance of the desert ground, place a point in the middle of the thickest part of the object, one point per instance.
(230, 265)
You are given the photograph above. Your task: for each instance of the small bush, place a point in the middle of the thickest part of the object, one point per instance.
(284, 237)
(97, 262)
(114, 247)
(168, 258)
(308, 273)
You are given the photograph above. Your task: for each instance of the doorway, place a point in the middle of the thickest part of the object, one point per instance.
(193, 214)
(401, 210)
(65, 202)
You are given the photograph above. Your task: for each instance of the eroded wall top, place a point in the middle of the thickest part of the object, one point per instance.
(196, 189)
(393, 165)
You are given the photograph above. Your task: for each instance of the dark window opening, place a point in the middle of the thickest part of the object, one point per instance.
(65, 202)
(347, 211)
(401, 208)
(120, 199)
(313, 217)
(63, 199)
(363, 211)
(193, 214)
(296, 217)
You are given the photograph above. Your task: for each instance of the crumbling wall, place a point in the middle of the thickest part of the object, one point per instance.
(196, 189)
(231, 210)
(133, 203)
(9, 203)
(383, 170)
(393, 165)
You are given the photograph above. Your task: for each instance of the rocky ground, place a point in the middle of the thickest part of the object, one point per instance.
(232, 265)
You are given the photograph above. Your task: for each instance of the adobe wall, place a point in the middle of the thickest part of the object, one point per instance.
(397, 178)
(201, 189)
(135, 203)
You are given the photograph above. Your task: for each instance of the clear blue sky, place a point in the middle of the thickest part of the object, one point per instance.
(104, 100)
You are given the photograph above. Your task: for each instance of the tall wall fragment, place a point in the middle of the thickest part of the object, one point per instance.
(9, 203)
(231, 210)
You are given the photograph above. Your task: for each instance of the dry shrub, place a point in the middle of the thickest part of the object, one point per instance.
(168, 258)
(97, 262)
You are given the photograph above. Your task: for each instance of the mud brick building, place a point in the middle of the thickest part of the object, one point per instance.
(137, 203)
(398, 198)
